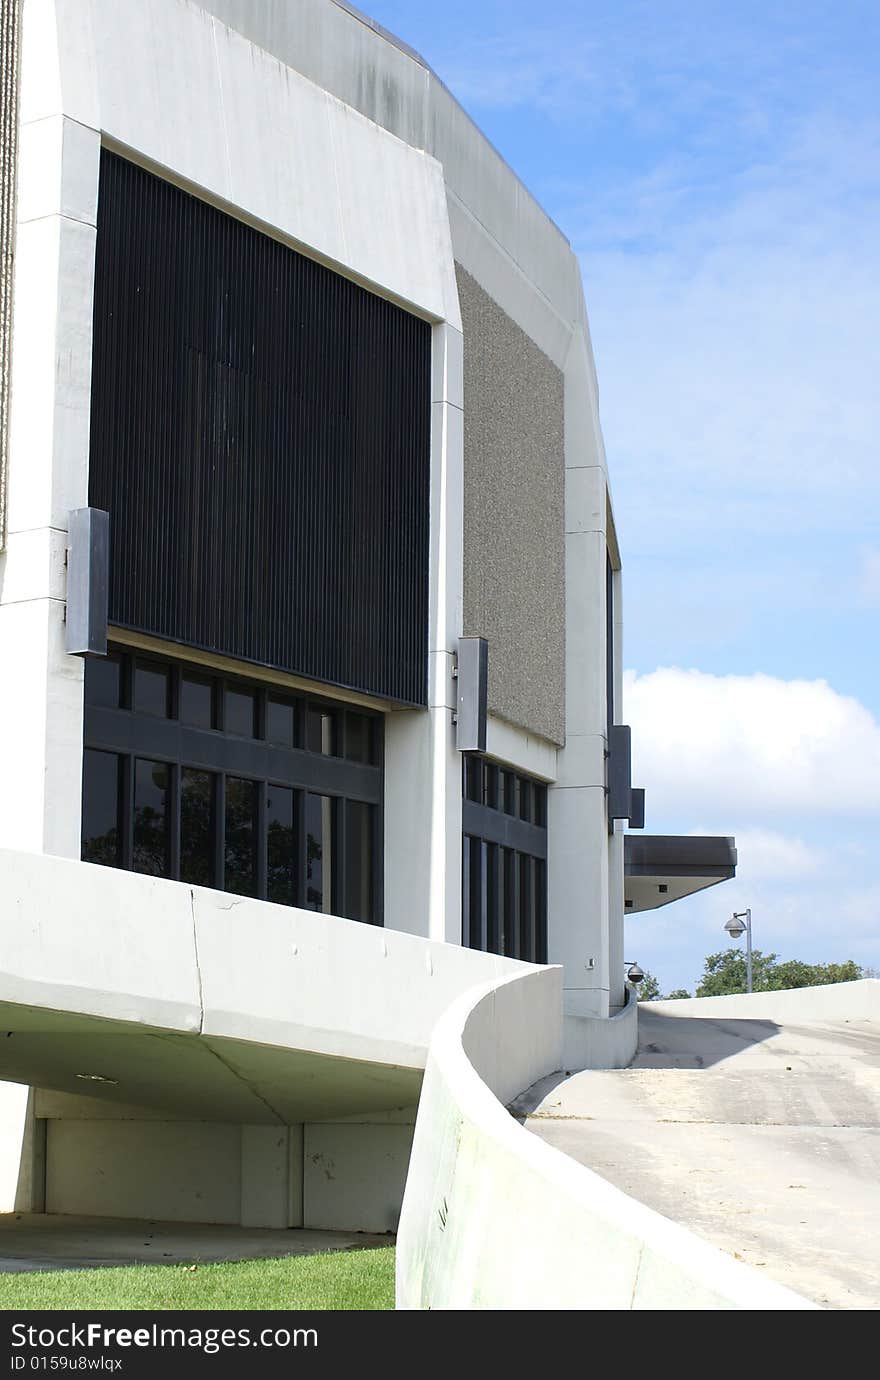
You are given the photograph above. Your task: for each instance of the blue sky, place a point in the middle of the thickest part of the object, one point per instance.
(716, 167)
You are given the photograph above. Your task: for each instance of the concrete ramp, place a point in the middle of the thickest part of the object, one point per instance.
(762, 1136)
(203, 1057)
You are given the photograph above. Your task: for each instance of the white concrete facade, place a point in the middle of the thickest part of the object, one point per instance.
(394, 207)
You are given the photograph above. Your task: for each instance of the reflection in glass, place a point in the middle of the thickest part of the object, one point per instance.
(241, 852)
(473, 767)
(100, 808)
(104, 681)
(240, 716)
(494, 899)
(197, 826)
(281, 845)
(280, 721)
(319, 852)
(358, 853)
(197, 701)
(150, 690)
(150, 824)
(526, 909)
(541, 910)
(320, 730)
(358, 738)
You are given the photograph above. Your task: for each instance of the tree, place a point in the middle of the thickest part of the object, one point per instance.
(677, 994)
(725, 973)
(649, 988)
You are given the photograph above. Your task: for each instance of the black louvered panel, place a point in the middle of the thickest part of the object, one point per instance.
(260, 436)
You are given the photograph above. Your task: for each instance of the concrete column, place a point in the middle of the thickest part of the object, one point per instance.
(22, 1151)
(41, 686)
(422, 766)
(616, 900)
(578, 830)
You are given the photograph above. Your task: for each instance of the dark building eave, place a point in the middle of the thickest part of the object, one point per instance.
(659, 868)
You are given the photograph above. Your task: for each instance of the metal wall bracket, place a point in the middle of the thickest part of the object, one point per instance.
(88, 581)
(624, 801)
(472, 694)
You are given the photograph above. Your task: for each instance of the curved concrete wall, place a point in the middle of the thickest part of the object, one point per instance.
(837, 1001)
(493, 1218)
(600, 1042)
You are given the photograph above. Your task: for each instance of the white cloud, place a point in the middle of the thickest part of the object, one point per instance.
(716, 744)
(765, 855)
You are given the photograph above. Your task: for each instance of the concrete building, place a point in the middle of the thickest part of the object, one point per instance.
(310, 611)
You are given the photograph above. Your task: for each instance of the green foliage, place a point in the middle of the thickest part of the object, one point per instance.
(678, 994)
(725, 973)
(338, 1280)
(649, 988)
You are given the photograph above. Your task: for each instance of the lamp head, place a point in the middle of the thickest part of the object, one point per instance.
(735, 927)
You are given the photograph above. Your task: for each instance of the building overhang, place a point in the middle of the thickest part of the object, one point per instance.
(660, 868)
(132, 989)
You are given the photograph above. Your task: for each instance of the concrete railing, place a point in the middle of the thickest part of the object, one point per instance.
(594, 1042)
(495, 1218)
(836, 1001)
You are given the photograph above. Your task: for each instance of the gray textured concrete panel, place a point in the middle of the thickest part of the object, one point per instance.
(514, 499)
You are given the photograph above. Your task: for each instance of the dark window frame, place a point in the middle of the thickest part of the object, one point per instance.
(504, 860)
(133, 737)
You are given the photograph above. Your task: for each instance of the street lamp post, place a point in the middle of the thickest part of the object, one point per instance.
(735, 928)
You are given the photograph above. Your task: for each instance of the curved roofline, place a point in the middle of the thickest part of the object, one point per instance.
(385, 33)
(410, 52)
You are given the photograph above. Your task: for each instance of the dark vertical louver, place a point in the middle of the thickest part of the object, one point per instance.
(10, 15)
(260, 436)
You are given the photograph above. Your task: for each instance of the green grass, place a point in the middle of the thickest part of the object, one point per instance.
(360, 1279)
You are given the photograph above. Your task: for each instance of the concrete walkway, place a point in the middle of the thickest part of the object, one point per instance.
(38, 1241)
(762, 1138)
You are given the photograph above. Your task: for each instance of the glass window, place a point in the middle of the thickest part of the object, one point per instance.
(540, 910)
(526, 909)
(358, 738)
(494, 899)
(150, 823)
(150, 690)
(198, 827)
(100, 807)
(473, 779)
(232, 810)
(104, 681)
(511, 793)
(319, 852)
(240, 713)
(476, 894)
(504, 903)
(281, 845)
(196, 701)
(320, 730)
(358, 860)
(281, 721)
(240, 871)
